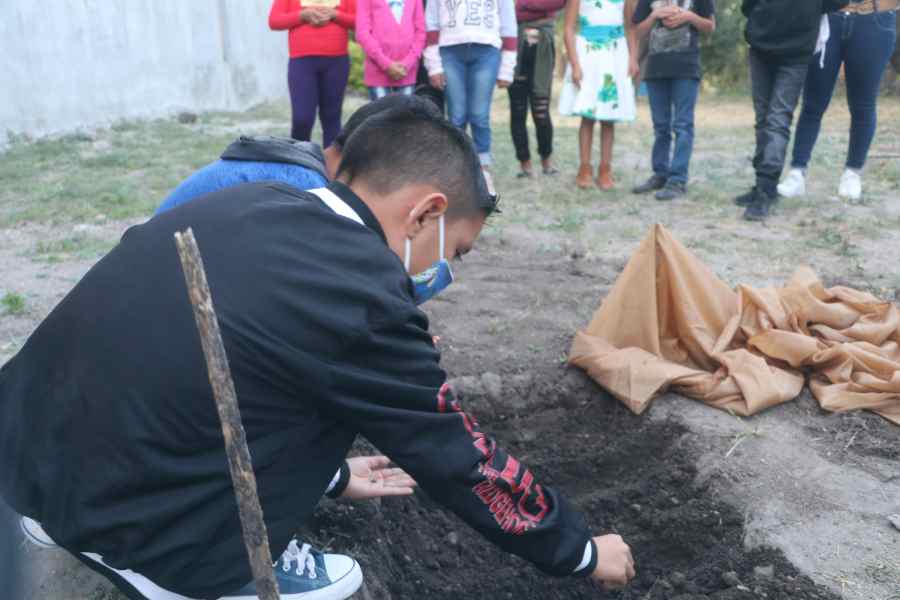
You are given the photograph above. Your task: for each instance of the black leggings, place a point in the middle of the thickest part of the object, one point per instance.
(520, 94)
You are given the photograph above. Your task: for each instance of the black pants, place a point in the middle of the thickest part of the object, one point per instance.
(10, 540)
(776, 92)
(520, 95)
(426, 90)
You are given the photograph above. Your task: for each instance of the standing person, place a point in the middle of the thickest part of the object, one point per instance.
(599, 78)
(673, 76)
(533, 82)
(471, 46)
(392, 34)
(319, 65)
(863, 37)
(325, 340)
(782, 35)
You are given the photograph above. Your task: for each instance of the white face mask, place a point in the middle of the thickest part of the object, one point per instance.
(435, 279)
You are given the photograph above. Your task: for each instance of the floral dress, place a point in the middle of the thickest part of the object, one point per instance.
(606, 92)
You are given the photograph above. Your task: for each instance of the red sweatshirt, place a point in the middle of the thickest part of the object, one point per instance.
(537, 10)
(307, 40)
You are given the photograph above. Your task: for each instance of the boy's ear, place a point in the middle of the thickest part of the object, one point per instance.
(428, 208)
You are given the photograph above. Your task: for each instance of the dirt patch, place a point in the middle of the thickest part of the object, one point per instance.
(630, 475)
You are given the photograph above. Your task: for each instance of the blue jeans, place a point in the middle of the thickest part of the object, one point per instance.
(672, 103)
(864, 44)
(380, 92)
(471, 71)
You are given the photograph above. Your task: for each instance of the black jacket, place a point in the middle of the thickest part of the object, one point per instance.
(108, 430)
(785, 31)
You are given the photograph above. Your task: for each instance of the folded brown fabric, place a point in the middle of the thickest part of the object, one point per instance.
(669, 324)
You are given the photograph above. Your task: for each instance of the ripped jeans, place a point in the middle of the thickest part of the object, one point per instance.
(520, 95)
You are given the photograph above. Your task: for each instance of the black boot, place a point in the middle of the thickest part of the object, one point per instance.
(656, 182)
(746, 199)
(761, 206)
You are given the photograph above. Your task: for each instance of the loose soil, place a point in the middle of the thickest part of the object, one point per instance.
(630, 475)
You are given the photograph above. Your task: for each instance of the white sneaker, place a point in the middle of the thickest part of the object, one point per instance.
(35, 534)
(793, 185)
(851, 185)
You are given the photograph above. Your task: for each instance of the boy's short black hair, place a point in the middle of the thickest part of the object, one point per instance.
(414, 144)
(378, 106)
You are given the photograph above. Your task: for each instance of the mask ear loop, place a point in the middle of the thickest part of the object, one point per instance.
(441, 236)
(407, 254)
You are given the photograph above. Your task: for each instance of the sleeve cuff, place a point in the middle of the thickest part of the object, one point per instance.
(339, 481)
(588, 562)
(433, 62)
(507, 65)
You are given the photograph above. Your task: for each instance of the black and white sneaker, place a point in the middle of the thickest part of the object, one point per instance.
(304, 573)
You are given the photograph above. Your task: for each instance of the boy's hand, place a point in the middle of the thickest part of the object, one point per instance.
(576, 75)
(664, 12)
(370, 477)
(615, 565)
(438, 81)
(503, 84)
(678, 19)
(396, 71)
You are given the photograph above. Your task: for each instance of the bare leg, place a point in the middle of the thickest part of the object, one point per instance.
(607, 138)
(585, 141)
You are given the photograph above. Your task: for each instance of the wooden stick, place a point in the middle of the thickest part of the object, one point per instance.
(254, 528)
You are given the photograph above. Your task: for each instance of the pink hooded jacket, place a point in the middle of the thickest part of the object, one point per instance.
(385, 41)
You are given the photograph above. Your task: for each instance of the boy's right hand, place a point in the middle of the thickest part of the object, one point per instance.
(438, 81)
(576, 75)
(615, 565)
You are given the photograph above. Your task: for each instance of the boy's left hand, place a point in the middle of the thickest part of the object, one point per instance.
(503, 84)
(370, 477)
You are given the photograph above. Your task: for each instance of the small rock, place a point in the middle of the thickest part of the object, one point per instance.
(743, 588)
(433, 565)
(678, 579)
(187, 118)
(764, 572)
(895, 520)
(407, 558)
(731, 579)
(493, 386)
(675, 501)
(665, 585)
(453, 538)
(636, 507)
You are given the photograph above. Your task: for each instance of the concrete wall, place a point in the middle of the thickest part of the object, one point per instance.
(70, 64)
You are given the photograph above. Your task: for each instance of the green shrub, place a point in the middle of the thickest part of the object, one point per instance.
(725, 52)
(357, 58)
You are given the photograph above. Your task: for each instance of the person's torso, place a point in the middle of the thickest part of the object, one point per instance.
(601, 23)
(673, 53)
(469, 21)
(784, 30)
(328, 40)
(393, 25)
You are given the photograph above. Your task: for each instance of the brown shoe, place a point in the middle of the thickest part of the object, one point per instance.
(604, 178)
(583, 180)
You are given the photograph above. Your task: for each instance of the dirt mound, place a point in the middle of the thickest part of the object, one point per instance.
(629, 475)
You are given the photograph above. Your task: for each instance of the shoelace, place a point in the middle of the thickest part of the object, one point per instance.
(302, 555)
